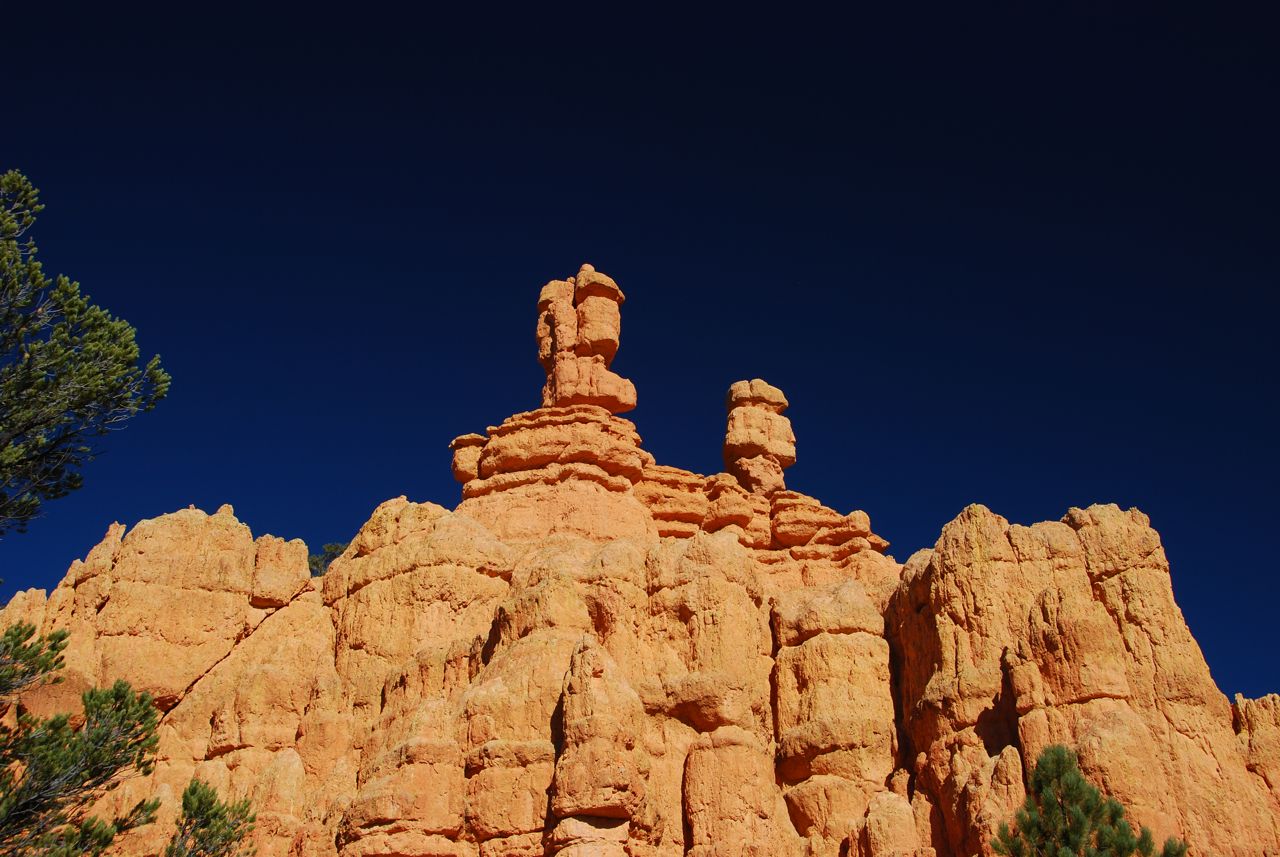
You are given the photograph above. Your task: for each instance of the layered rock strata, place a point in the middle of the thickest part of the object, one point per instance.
(595, 654)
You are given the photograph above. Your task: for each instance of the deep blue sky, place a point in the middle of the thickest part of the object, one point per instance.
(1024, 259)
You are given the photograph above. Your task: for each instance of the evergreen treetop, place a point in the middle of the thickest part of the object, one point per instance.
(210, 828)
(69, 370)
(1065, 816)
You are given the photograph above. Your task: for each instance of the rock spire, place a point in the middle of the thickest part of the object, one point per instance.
(579, 327)
(758, 442)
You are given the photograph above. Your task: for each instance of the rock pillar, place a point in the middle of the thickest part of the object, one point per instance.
(758, 442)
(579, 326)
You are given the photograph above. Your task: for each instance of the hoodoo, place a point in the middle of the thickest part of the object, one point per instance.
(597, 654)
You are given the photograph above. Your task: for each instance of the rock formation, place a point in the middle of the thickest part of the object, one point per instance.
(595, 654)
(758, 443)
(579, 326)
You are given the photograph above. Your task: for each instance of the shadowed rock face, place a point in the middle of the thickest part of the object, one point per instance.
(596, 654)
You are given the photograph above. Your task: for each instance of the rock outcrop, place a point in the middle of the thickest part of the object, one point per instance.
(579, 328)
(1008, 639)
(758, 443)
(596, 654)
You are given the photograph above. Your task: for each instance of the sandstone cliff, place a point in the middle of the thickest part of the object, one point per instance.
(595, 654)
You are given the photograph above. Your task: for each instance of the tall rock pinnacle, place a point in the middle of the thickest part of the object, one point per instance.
(579, 325)
(758, 441)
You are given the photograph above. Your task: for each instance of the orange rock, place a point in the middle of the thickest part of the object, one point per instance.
(675, 498)
(756, 393)
(583, 433)
(730, 800)
(592, 283)
(1257, 722)
(889, 829)
(590, 837)
(599, 327)
(1012, 638)
(466, 456)
(758, 442)
(754, 431)
(579, 329)
(759, 474)
(728, 504)
(837, 743)
(588, 381)
(797, 519)
(598, 655)
(598, 772)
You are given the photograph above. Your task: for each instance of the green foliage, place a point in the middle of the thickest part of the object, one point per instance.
(52, 772)
(24, 662)
(89, 836)
(319, 562)
(210, 828)
(68, 370)
(1065, 816)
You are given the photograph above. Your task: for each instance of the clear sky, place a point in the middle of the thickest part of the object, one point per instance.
(1027, 259)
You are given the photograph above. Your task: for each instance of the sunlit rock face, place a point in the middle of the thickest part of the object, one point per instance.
(598, 654)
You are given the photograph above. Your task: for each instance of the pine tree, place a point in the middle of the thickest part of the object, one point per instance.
(1065, 816)
(210, 828)
(24, 662)
(69, 371)
(52, 772)
(319, 562)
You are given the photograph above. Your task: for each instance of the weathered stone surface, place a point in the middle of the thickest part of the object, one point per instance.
(730, 801)
(599, 773)
(835, 724)
(466, 456)
(759, 474)
(755, 431)
(582, 434)
(675, 498)
(166, 602)
(756, 393)
(797, 519)
(560, 470)
(595, 654)
(577, 380)
(889, 829)
(1013, 638)
(1257, 722)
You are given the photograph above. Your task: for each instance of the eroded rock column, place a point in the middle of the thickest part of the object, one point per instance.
(570, 465)
(835, 722)
(579, 327)
(758, 442)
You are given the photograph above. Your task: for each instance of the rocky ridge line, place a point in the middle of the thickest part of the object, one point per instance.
(596, 654)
